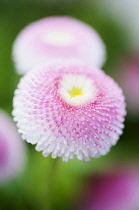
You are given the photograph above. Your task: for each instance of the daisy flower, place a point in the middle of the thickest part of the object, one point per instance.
(56, 38)
(12, 149)
(117, 189)
(69, 109)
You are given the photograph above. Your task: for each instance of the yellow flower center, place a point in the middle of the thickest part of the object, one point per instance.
(75, 92)
(77, 89)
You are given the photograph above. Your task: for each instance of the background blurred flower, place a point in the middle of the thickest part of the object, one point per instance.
(112, 190)
(75, 109)
(128, 77)
(12, 149)
(56, 38)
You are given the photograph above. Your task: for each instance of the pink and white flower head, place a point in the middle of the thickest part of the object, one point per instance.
(69, 109)
(57, 38)
(128, 73)
(113, 190)
(12, 149)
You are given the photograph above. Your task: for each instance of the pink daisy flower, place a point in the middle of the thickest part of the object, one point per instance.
(69, 109)
(12, 149)
(57, 38)
(114, 190)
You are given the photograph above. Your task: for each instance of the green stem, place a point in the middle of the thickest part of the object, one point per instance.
(51, 184)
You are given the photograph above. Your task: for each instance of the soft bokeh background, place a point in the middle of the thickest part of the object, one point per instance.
(118, 28)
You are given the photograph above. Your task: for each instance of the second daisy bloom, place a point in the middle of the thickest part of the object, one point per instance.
(75, 109)
(55, 38)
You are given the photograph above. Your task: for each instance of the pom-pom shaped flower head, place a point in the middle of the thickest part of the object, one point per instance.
(69, 109)
(57, 38)
(12, 149)
(117, 189)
